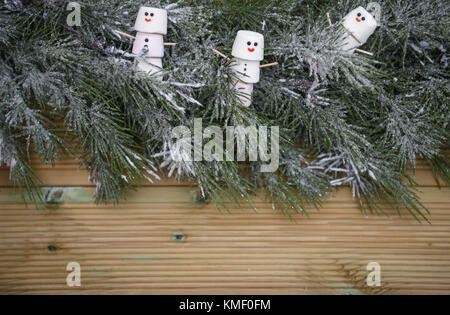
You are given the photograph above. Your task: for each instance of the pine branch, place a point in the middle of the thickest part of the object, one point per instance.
(359, 120)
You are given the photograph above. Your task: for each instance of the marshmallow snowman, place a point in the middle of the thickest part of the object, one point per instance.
(360, 25)
(151, 25)
(248, 52)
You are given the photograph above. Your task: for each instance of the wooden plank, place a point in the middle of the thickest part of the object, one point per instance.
(186, 194)
(70, 173)
(130, 248)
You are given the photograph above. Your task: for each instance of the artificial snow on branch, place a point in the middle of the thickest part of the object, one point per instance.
(357, 119)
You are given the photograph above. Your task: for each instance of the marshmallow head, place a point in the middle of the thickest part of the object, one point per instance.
(249, 46)
(247, 71)
(153, 42)
(151, 20)
(361, 24)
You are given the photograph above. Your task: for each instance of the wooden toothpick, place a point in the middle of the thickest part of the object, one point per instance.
(269, 65)
(125, 34)
(225, 56)
(351, 34)
(329, 19)
(220, 54)
(170, 44)
(355, 38)
(364, 52)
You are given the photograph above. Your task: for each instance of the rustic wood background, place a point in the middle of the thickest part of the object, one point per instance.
(134, 248)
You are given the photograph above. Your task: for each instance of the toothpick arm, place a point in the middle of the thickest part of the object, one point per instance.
(125, 34)
(354, 37)
(363, 52)
(170, 44)
(329, 19)
(220, 54)
(269, 65)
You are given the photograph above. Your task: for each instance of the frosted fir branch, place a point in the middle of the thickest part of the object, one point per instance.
(410, 131)
(322, 98)
(375, 179)
(177, 160)
(14, 5)
(292, 93)
(318, 47)
(31, 12)
(191, 85)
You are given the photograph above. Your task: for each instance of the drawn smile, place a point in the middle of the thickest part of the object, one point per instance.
(251, 49)
(358, 20)
(148, 20)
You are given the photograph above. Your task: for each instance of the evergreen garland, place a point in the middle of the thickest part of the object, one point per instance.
(345, 119)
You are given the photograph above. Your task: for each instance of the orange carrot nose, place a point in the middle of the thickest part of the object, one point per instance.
(358, 20)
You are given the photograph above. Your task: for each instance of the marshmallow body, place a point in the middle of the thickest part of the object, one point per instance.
(247, 71)
(154, 43)
(153, 65)
(245, 91)
(151, 20)
(249, 46)
(361, 24)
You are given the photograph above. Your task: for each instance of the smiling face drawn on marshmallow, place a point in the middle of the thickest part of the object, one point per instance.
(249, 46)
(360, 23)
(151, 20)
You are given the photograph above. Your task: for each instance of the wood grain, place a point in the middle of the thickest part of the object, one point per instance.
(130, 248)
(69, 172)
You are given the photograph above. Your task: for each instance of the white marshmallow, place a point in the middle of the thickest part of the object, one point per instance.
(249, 46)
(245, 91)
(153, 42)
(246, 70)
(151, 20)
(361, 24)
(153, 65)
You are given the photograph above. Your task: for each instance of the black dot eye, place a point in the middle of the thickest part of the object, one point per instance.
(359, 14)
(363, 19)
(151, 14)
(249, 43)
(146, 13)
(256, 44)
(146, 40)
